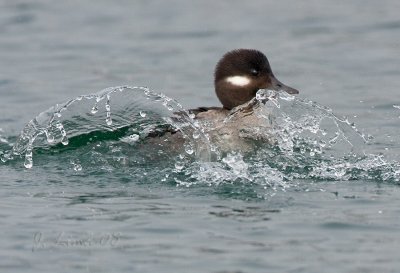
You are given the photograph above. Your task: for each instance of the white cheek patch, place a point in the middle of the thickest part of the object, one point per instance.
(238, 80)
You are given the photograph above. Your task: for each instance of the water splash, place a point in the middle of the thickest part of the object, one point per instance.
(129, 129)
(308, 141)
(136, 109)
(312, 142)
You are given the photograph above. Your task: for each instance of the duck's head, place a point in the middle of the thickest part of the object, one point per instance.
(241, 73)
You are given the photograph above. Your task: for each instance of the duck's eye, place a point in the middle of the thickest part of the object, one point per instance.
(254, 72)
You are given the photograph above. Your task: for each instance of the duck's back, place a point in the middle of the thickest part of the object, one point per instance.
(233, 131)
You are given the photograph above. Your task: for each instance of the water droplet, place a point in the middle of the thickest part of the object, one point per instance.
(179, 165)
(94, 109)
(28, 158)
(261, 95)
(65, 141)
(188, 149)
(109, 121)
(7, 156)
(49, 137)
(76, 166)
(166, 104)
(108, 111)
(286, 96)
(142, 114)
(196, 134)
(132, 139)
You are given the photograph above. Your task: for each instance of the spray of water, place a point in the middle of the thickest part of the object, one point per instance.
(89, 114)
(147, 133)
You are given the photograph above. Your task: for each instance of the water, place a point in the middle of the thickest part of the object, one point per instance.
(324, 196)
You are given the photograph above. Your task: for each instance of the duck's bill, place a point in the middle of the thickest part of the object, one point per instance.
(278, 86)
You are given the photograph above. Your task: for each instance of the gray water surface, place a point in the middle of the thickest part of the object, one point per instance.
(57, 218)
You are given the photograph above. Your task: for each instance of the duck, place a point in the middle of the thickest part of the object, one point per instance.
(238, 75)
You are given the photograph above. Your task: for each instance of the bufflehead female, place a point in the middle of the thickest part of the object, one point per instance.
(237, 78)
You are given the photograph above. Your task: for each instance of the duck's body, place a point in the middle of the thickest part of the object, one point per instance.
(234, 130)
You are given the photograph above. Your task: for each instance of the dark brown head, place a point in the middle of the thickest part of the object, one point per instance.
(241, 73)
